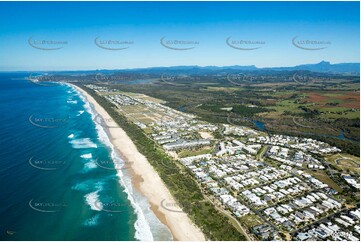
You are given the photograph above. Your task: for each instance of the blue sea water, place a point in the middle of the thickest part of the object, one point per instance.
(52, 185)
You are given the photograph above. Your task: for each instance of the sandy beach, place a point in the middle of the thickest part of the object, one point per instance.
(147, 181)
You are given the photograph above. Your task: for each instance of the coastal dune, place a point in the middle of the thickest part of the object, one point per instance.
(147, 181)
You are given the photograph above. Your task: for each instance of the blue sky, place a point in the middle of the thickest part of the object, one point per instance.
(209, 24)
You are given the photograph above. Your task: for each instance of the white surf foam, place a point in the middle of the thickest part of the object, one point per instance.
(92, 221)
(70, 136)
(80, 113)
(87, 156)
(142, 227)
(82, 143)
(89, 166)
(80, 187)
(88, 185)
(92, 199)
(72, 101)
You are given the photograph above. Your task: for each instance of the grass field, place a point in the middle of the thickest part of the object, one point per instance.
(345, 162)
(142, 113)
(226, 89)
(330, 105)
(323, 177)
(202, 151)
(250, 220)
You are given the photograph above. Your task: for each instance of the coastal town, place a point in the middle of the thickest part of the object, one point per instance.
(276, 187)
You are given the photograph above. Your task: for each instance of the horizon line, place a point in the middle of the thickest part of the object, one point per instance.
(150, 67)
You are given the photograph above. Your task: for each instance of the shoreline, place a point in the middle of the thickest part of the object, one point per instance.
(147, 181)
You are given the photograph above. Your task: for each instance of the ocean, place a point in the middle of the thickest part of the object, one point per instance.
(60, 178)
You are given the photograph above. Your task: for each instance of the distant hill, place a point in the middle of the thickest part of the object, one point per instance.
(322, 67)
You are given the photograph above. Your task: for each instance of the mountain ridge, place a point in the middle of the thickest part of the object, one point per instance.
(321, 67)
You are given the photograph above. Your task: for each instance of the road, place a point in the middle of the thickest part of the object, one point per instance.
(244, 232)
